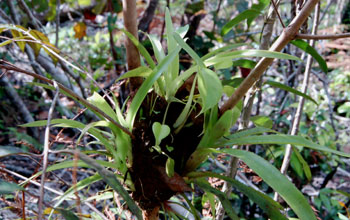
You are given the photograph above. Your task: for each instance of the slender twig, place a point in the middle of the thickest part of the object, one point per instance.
(330, 106)
(287, 35)
(30, 14)
(264, 44)
(278, 14)
(298, 113)
(6, 65)
(46, 150)
(58, 11)
(31, 181)
(322, 37)
(5, 16)
(50, 189)
(215, 15)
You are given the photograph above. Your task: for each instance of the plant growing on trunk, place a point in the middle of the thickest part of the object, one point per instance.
(172, 124)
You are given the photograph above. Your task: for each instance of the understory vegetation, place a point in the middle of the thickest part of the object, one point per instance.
(176, 109)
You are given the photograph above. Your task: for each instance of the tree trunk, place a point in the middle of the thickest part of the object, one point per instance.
(132, 54)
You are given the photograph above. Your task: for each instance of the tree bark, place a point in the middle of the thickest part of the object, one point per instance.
(132, 54)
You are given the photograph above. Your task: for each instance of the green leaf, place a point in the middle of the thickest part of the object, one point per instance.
(210, 88)
(10, 150)
(110, 178)
(220, 128)
(221, 196)
(160, 132)
(173, 70)
(141, 49)
(75, 124)
(280, 139)
(262, 121)
(169, 167)
(250, 132)
(185, 112)
(276, 181)
(222, 49)
(249, 13)
(250, 64)
(303, 45)
(98, 101)
(224, 65)
(221, 57)
(305, 165)
(67, 214)
(141, 71)
(271, 207)
(157, 47)
(289, 89)
(79, 186)
(84, 2)
(8, 188)
(188, 49)
(146, 86)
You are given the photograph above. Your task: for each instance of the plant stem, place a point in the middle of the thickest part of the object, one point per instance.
(299, 111)
(287, 35)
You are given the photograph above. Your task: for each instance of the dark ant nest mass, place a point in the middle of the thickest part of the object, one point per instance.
(152, 185)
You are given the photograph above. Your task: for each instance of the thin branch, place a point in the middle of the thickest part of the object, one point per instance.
(31, 181)
(322, 37)
(6, 65)
(287, 35)
(18, 102)
(46, 150)
(299, 111)
(29, 13)
(58, 11)
(278, 14)
(50, 189)
(330, 106)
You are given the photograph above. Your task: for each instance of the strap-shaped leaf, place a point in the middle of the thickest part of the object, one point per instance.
(8, 188)
(221, 196)
(279, 139)
(141, 49)
(146, 86)
(310, 50)
(249, 13)
(110, 178)
(276, 181)
(141, 71)
(226, 56)
(188, 49)
(271, 207)
(289, 89)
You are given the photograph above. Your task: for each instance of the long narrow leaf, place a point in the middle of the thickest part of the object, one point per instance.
(289, 89)
(188, 49)
(249, 13)
(141, 49)
(110, 178)
(221, 57)
(271, 207)
(222, 197)
(276, 181)
(301, 44)
(280, 139)
(146, 86)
